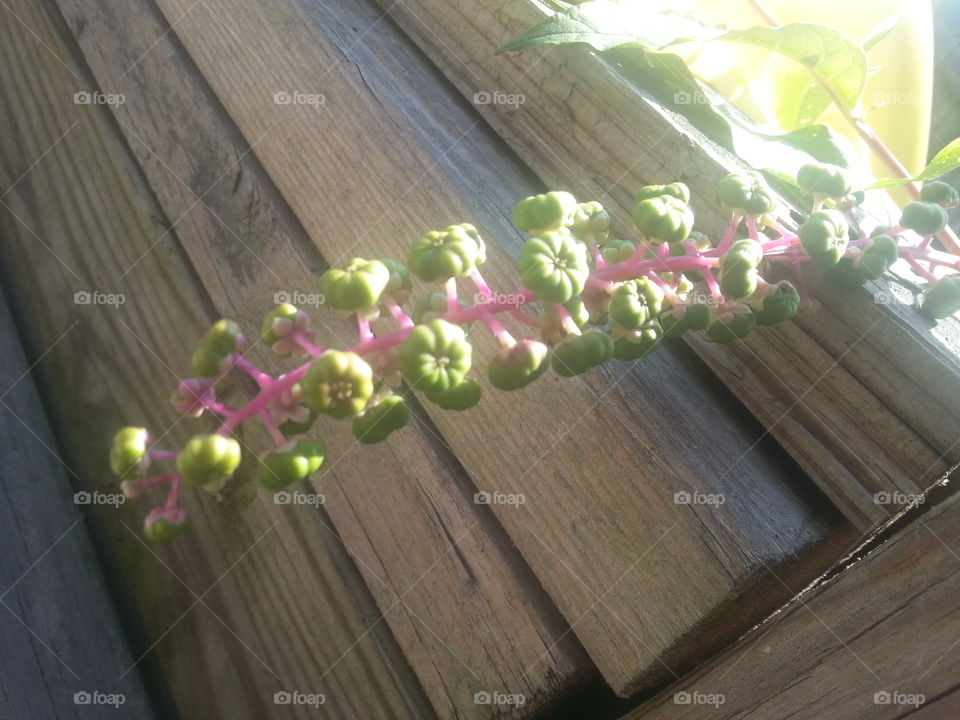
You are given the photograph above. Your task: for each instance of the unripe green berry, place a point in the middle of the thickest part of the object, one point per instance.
(591, 221)
(538, 214)
(638, 343)
(554, 266)
(825, 236)
(221, 340)
(662, 219)
(164, 524)
(942, 299)
(357, 285)
(635, 302)
(746, 194)
(824, 179)
(435, 356)
(292, 463)
(743, 255)
(338, 384)
(778, 305)
(376, 423)
(461, 396)
(443, 254)
(924, 218)
(940, 193)
(208, 459)
(398, 286)
(130, 452)
(678, 190)
(616, 251)
(578, 353)
(731, 324)
(516, 367)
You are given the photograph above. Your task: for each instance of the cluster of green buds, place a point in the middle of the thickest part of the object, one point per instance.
(587, 296)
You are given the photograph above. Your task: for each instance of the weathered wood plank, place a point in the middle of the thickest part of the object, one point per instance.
(469, 618)
(888, 623)
(647, 584)
(263, 598)
(855, 392)
(60, 633)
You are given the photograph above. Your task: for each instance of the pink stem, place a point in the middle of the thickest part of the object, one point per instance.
(307, 346)
(176, 482)
(524, 318)
(223, 409)
(711, 281)
(260, 377)
(568, 323)
(163, 454)
(751, 228)
(403, 320)
(728, 235)
(482, 287)
(919, 270)
(262, 398)
(363, 327)
(278, 438)
(452, 302)
(499, 331)
(668, 291)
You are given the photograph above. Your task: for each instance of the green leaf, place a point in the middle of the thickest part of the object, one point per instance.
(836, 65)
(942, 163)
(605, 24)
(880, 31)
(667, 79)
(821, 143)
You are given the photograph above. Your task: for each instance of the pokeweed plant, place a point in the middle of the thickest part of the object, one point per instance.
(586, 297)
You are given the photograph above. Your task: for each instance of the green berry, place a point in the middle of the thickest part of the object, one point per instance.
(635, 302)
(924, 218)
(376, 423)
(435, 356)
(940, 193)
(591, 221)
(338, 384)
(616, 251)
(678, 190)
(538, 214)
(462, 396)
(746, 194)
(398, 286)
(292, 427)
(357, 285)
(130, 452)
(942, 299)
(731, 323)
(779, 304)
(280, 323)
(443, 254)
(877, 256)
(221, 340)
(164, 524)
(677, 320)
(516, 367)
(824, 236)
(431, 306)
(554, 266)
(738, 283)
(294, 462)
(743, 255)
(663, 218)
(578, 353)
(823, 179)
(208, 459)
(638, 343)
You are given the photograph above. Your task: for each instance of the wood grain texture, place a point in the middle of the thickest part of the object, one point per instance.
(262, 598)
(463, 606)
(647, 585)
(60, 633)
(887, 623)
(857, 393)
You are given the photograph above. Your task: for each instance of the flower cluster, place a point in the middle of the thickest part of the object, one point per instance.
(586, 297)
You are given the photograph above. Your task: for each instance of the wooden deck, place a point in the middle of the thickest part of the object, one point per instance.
(199, 196)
